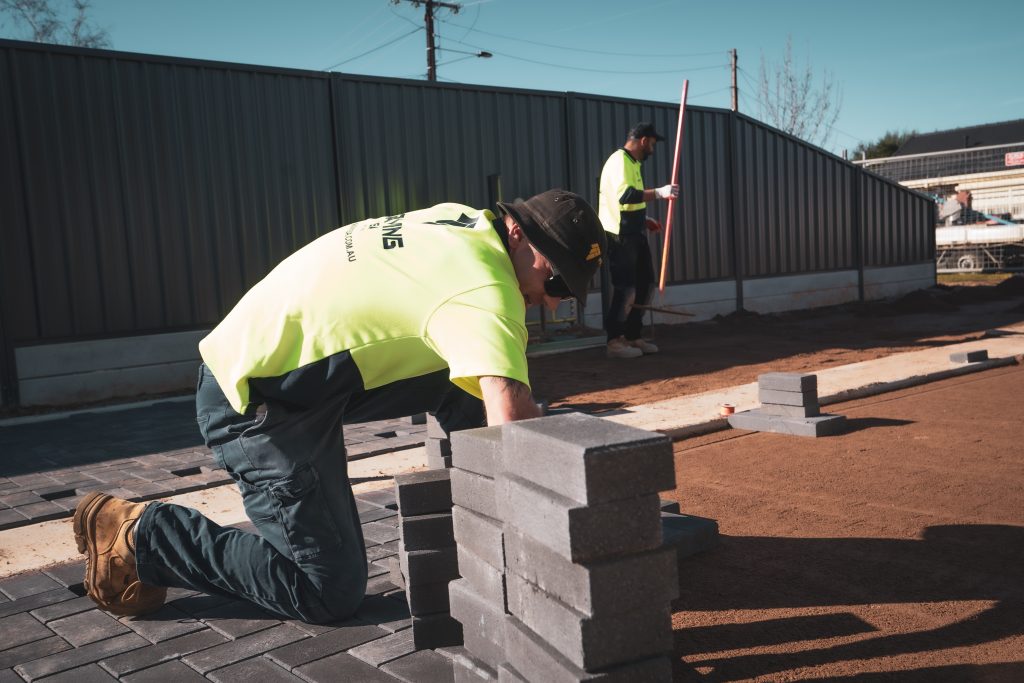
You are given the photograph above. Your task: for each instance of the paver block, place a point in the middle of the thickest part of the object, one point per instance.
(342, 667)
(169, 671)
(243, 648)
(417, 419)
(478, 450)
(755, 420)
(668, 505)
(143, 658)
(389, 614)
(90, 673)
(237, 618)
(809, 410)
(426, 532)
(787, 398)
(434, 428)
(474, 492)
(63, 609)
(577, 532)
(394, 572)
(788, 381)
(431, 631)
(480, 534)
(380, 532)
(384, 498)
(483, 623)
(688, 535)
(79, 656)
(19, 629)
(37, 649)
(588, 459)
(429, 566)
(438, 448)
(343, 638)
(591, 642)
(382, 650)
(487, 581)
(87, 627)
(423, 493)
(425, 665)
(438, 462)
(428, 598)
(11, 518)
(611, 586)
(469, 669)
(535, 660)
(164, 624)
(255, 669)
(25, 585)
(969, 356)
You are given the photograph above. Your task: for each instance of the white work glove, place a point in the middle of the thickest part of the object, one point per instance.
(667, 191)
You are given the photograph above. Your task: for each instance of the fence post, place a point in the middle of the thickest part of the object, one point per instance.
(858, 229)
(734, 232)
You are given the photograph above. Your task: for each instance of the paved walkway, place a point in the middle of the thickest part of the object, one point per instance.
(49, 631)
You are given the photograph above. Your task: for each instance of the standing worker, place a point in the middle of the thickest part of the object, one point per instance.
(622, 206)
(388, 317)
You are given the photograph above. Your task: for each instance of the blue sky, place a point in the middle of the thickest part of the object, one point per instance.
(901, 64)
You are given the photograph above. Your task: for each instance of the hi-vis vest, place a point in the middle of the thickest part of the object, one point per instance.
(620, 173)
(399, 297)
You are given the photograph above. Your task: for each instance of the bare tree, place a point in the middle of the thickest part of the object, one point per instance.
(792, 102)
(45, 23)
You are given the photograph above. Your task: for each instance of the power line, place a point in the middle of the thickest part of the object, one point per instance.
(579, 49)
(379, 47)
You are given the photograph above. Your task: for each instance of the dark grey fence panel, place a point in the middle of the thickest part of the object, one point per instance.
(407, 144)
(898, 223)
(793, 204)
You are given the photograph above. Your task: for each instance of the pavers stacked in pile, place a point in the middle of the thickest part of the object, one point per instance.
(439, 447)
(789, 405)
(587, 582)
(976, 356)
(427, 556)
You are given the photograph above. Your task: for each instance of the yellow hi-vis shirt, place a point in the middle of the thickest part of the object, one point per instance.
(403, 295)
(620, 173)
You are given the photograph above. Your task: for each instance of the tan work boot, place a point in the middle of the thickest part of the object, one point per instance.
(645, 346)
(103, 530)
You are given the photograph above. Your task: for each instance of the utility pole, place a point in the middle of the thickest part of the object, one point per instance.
(428, 20)
(735, 91)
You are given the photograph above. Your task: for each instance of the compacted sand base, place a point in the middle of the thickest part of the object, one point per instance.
(892, 552)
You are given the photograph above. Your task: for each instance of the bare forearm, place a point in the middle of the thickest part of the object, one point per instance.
(507, 400)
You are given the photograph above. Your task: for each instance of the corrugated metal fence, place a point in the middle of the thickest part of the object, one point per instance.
(143, 194)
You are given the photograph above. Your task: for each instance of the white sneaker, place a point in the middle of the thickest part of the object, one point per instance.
(620, 348)
(645, 346)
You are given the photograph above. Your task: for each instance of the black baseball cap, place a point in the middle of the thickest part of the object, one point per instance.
(645, 129)
(567, 231)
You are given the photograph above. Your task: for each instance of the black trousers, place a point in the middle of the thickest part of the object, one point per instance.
(308, 560)
(629, 259)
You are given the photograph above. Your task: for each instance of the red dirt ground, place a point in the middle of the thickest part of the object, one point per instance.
(891, 552)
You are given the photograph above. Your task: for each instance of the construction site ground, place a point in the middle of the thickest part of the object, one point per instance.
(891, 551)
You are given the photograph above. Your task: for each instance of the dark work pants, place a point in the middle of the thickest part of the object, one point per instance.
(308, 561)
(629, 260)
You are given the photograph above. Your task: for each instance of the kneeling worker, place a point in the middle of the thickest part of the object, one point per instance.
(384, 318)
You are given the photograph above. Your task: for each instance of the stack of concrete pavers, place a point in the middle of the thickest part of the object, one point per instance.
(789, 405)
(686, 534)
(587, 581)
(427, 556)
(969, 356)
(478, 599)
(438, 445)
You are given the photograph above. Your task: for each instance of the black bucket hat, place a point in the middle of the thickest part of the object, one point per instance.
(567, 231)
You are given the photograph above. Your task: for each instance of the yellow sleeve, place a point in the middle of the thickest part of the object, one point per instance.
(481, 333)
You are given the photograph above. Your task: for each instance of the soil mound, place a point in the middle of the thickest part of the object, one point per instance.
(1011, 286)
(931, 300)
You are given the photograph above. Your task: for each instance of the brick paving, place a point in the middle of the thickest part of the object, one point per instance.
(137, 453)
(50, 632)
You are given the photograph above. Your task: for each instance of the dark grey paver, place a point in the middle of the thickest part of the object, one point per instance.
(22, 586)
(379, 585)
(688, 534)
(69, 574)
(787, 398)
(811, 409)
(483, 623)
(478, 450)
(34, 650)
(589, 459)
(591, 642)
(381, 498)
(19, 629)
(480, 534)
(166, 623)
(436, 630)
(146, 657)
(581, 533)
(342, 667)
(237, 618)
(756, 420)
(36, 601)
(430, 566)
(788, 381)
(426, 532)
(375, 514)
(390, 614)
(382, 550)
(382, 650)
(256, 669)
(343, 638)
(474, 492)
(87, 627)
(169, 672)
(90, 673)
(420, 667)
(79, 656)
(423, 493)
(615, 585)
(380, 532)
(428, 598)
(486, 581)
(243, 648)
(969, 356)
(11, 518)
